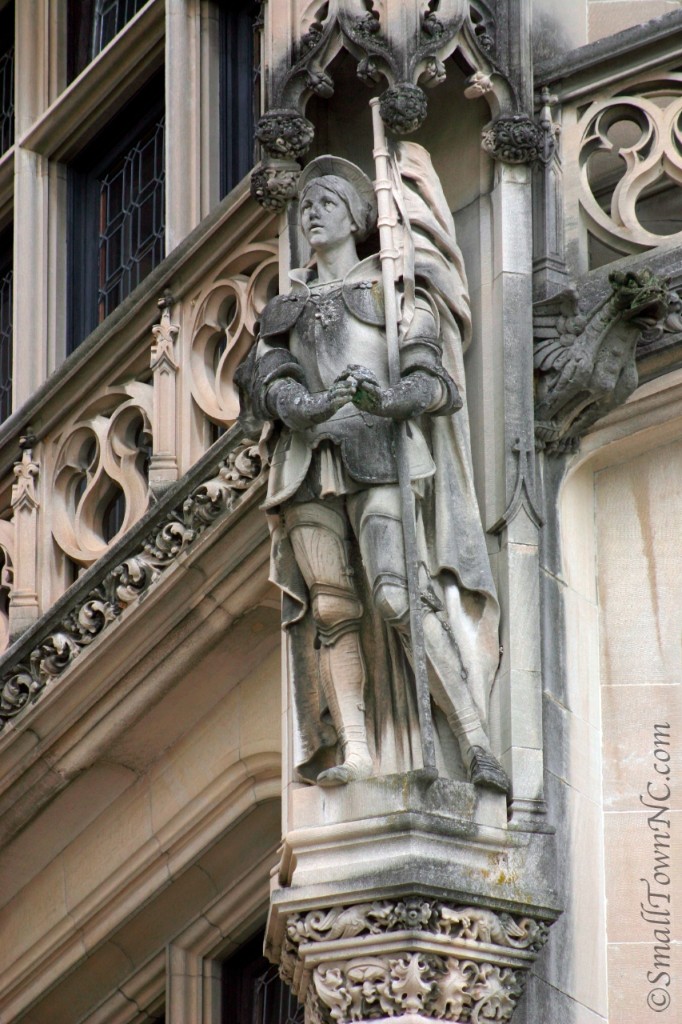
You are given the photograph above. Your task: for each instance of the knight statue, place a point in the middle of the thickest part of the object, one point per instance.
(320, 383)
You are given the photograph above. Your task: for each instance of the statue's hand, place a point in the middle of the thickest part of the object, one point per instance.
(368, 392)
(294, 405)
(415, 394)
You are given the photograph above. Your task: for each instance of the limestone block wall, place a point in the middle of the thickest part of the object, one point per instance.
(638, 503)
(585, 21)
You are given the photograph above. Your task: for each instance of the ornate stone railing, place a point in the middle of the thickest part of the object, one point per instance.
(212, 489)
(130, 411)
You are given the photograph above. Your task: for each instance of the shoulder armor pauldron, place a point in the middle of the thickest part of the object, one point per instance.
(365, 300)
(281, 314)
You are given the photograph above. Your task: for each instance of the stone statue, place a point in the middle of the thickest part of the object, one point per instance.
(320, 381)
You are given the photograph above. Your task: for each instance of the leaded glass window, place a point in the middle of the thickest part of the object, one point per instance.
(110, 17)
(5, 340)
(92, 25)
(6, 78)
(253, 992)
(241, 26)
(131, 219)
(117, 204)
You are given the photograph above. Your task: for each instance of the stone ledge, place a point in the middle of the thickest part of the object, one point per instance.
(611, 48)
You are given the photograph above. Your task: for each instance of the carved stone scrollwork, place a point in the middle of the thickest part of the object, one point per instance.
(414, 956)
(99, 481)
(585, 361)
(25, 680)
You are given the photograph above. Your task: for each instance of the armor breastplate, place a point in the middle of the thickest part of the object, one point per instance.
(327, 338)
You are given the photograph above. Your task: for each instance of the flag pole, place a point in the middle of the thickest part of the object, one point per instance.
(389, 257)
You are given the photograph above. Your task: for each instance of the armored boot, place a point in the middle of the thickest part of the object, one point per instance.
(343, 679)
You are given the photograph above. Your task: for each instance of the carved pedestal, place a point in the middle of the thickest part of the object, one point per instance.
(402, 901)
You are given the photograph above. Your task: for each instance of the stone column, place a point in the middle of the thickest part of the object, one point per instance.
(31, 203)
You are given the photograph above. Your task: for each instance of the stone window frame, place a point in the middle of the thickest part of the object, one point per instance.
(82, 28)
(57, 120)
(7, 77)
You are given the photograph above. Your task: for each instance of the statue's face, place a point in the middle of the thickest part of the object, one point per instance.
(325, 218)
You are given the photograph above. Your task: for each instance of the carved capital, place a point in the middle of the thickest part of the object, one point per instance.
(420, 956)
(285, 136)
(514, 139)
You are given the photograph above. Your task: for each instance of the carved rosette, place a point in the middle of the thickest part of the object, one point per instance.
(514, 139)
(415, 959)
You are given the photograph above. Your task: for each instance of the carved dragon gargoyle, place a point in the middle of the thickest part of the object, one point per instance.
(585, 361)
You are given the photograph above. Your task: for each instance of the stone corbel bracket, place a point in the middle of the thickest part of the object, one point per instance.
(585, 360)
(518, 139)
(402, 44)
(412, 959)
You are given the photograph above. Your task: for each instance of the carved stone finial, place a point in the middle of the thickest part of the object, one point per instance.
(404, 108)
(514, 139)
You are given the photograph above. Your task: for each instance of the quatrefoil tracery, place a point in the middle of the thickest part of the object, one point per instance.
(99, 481)
(634, 144)
(224, 327)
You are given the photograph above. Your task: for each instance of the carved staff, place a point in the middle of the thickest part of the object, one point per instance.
(389, 256)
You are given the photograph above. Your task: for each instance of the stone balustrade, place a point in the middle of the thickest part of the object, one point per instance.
(131, 410)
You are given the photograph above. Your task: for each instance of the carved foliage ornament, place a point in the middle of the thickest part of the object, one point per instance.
(517, 139)
(440, 988)
(471, 964)
(23, 682)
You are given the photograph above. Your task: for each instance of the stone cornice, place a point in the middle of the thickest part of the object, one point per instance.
(614, 56)
(211, 489)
